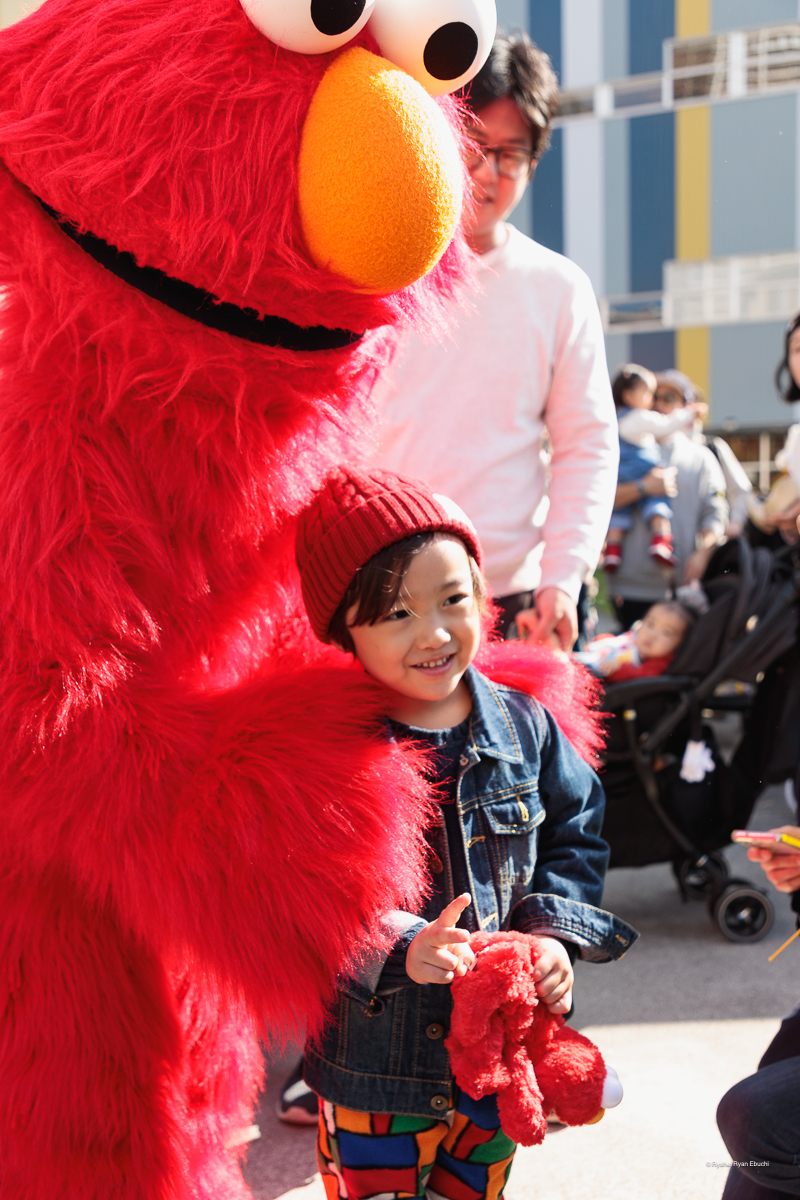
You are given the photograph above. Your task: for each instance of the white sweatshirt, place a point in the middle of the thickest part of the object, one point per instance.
(644, 427)
(468, 417)
(788, 459)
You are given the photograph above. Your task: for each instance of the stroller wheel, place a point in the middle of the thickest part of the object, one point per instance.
(743, 912)
(699, 878)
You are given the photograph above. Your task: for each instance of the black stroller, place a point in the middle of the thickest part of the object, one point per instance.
(748, 635)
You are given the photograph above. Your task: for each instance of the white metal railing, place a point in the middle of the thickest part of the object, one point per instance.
(723, 291)
(715, 291)
(638, 312)
(698, 70)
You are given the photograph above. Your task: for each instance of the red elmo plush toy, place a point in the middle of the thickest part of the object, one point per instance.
(503, 1040)
(198, 826)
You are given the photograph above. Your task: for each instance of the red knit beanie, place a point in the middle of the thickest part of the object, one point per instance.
(353, 516)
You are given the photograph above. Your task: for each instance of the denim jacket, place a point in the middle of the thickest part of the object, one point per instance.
(530, 812)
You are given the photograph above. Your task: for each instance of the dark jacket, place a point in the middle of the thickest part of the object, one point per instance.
(530, 812)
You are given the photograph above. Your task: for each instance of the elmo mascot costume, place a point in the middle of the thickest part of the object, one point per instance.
(207, 208)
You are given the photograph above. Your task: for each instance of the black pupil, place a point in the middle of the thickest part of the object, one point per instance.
(336, 16)
(451, 50)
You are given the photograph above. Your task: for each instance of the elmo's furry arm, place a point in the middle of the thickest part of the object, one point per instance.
(262, 825)
(566, 689)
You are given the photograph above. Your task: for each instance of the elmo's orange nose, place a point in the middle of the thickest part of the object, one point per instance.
(380, 176)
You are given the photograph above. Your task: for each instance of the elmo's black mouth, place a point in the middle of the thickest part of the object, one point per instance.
(199, 305)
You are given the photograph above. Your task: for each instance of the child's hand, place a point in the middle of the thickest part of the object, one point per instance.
(699, 408)
(554, 976)
(440, 952)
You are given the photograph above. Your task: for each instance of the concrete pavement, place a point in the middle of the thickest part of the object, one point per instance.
(682, 1017)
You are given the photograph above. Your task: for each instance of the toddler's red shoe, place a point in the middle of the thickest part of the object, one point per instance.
(612, 557)
(661, 550)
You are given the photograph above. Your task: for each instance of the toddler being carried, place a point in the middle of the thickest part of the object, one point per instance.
(640, 431)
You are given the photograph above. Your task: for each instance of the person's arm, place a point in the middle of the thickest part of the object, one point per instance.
(566, 889)
(582, 425)
(737, 486)
(712, 517)
(639, 421)
(660, 481)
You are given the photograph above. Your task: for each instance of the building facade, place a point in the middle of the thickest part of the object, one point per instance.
(674, 181)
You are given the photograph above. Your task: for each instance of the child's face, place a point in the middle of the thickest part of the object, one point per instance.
(422, 648)
(638, 396)
(660, 633)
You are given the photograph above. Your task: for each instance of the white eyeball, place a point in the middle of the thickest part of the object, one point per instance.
(309, 26)
(441, 43)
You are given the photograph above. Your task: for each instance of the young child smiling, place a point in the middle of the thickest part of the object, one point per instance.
(391, 573)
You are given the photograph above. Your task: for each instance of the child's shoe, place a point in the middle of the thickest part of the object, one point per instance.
(661, 550)
(612, 557)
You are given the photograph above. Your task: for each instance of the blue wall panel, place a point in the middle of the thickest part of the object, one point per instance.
(652, 199)
(655, 350)
(617, 203)
(650, 22)
(545, 29)
(548, 196)
(739, 14)
(743, 362)
(616, 27)
(753, 156)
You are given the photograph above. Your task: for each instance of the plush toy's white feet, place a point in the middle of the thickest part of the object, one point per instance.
(612, 1089)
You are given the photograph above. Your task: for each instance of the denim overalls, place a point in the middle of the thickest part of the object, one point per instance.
(530, 812)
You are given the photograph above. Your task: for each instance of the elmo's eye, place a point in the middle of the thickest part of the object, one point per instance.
(441, 43)
(309, 26)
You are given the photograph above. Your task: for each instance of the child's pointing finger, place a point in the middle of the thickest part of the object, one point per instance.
(450, 914)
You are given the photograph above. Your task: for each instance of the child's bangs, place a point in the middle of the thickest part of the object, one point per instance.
(376, 586)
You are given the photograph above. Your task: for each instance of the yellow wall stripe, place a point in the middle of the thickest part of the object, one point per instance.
(691, 17)
(692, 151)
(691, 356)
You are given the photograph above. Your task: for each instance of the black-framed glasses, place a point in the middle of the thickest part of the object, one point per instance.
(511, 161)
(669, 397)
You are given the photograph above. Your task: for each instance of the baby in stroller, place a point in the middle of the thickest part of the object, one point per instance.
(646, 649)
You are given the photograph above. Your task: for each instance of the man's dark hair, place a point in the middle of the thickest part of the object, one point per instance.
(375, 586)
(517, 68)
(784, 380)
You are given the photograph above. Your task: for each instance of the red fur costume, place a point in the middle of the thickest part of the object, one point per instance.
(197, 820)
(504, 1040)
(196, 825)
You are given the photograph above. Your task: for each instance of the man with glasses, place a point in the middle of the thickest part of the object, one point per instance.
(468, 415)
(674, 389)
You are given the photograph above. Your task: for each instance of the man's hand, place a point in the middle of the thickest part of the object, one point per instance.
(554, 977)
(440, 951)
(696, 563)
(782, 869)
(661, 481)
(554, 620)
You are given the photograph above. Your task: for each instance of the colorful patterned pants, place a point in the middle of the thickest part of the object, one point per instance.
(464, 1157)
